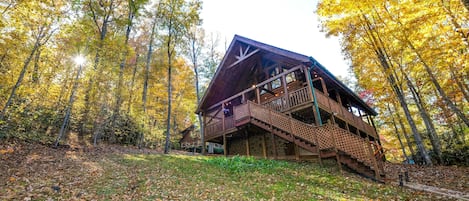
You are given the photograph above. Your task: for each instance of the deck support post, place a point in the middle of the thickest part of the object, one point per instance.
(297, 152)
(246, 134)
(264, 150)
(336, 151)
(225, 147)
(274, 145)
(373, 159)
(203, 133)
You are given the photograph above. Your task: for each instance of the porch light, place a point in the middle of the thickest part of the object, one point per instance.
(253, 86)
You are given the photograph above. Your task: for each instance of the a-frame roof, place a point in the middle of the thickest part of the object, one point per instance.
(231, 67)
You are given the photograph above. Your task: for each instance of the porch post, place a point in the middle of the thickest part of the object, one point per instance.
(297, 152)
(315, 101)
(258, 96)
(264, 151)
(373, 159)
(225, 147)
(203, 133)
(223, 117)
(285, 94)
(339, 100)
(248, 151)
(274, 145)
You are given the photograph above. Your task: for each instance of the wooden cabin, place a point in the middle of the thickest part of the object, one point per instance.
(269, 102)
(189, 139)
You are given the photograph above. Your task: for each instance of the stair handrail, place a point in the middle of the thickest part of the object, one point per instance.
(314, 141)
(367, 161)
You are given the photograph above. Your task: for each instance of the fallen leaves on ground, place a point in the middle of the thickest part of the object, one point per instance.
(110, 172)
(448, 177)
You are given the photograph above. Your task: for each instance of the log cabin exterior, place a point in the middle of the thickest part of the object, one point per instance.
(269, 102)
(189, 140)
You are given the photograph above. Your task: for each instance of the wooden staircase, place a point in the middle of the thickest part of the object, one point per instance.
(327, 141)
(288, 136)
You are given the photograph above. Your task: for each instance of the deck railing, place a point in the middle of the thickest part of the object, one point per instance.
(299, 97)
(286, 101)
(296, 98)
(326, 137)
(213, 129)
(344, 114)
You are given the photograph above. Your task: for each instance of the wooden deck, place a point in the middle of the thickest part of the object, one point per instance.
(350, 149)
(301, 98)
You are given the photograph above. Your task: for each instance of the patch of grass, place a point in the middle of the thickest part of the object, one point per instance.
(183, 177)
(240, 164)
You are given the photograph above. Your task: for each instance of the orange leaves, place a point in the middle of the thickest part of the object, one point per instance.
(8, 150)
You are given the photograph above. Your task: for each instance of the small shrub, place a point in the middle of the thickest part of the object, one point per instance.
(459, 155)
(125, 131)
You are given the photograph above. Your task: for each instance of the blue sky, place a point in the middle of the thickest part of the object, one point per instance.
(288, 24)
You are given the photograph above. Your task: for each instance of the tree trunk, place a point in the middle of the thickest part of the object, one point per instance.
(169, 51)
(398, 136)
(447, 114)
(121, 69)
(434, 139)
(168, 120)
(35, 76)
(87, 101)
(408, 115)
(384, 61)
(404, 133)
(132, 83)
(437, 85)
(197, 90)
(69, 107)
(147, 68)
(98, 123)
(102, 35)
(21, 76)
(462, 86)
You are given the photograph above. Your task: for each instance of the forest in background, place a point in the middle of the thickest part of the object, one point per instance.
(110, 70)
(102, 69)
(411, 61)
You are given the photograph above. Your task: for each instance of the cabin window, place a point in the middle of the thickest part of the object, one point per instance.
(274, 71)
(290, 77)
(276, 84)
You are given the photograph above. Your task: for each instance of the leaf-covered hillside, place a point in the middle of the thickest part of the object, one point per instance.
(37, 172)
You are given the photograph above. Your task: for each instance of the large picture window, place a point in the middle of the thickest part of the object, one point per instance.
(276, 84)
(290, 77)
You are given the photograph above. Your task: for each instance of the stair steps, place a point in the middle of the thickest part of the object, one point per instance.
(282, 127)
